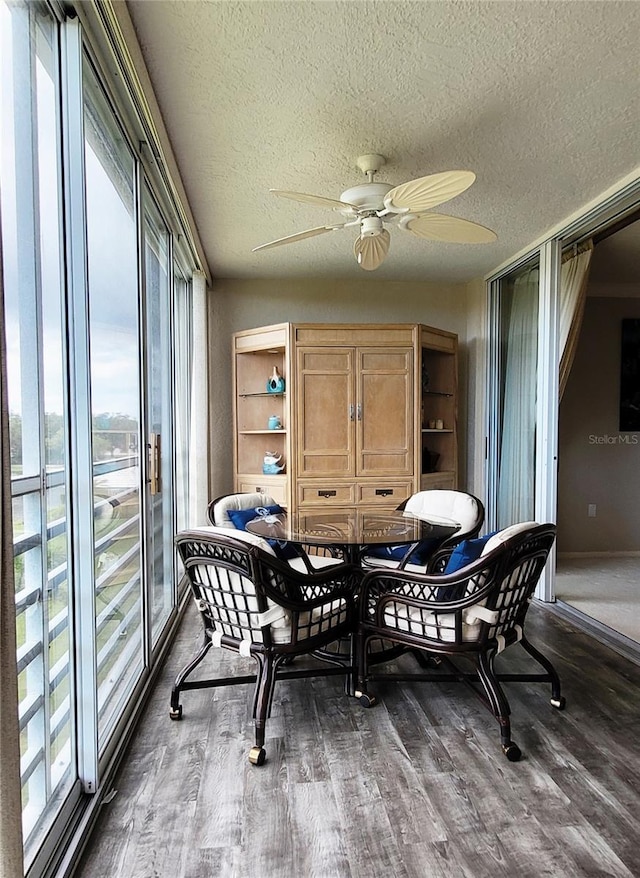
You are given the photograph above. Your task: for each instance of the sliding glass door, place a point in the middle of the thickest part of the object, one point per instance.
(159, 433)
(98, 328)
(31, 205)
(513, 397)
(115, 391)
(523, 396)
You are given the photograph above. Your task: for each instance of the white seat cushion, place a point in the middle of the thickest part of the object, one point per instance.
(436, 626)
(454, 505)
(318, 562)
(243, 535)
(507, 532)
(321, 619)
(372, 561)
(238, 501)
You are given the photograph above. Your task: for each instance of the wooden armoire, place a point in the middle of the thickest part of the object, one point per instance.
(366, 417)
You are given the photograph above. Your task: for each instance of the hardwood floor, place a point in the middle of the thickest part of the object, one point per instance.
(416, 787)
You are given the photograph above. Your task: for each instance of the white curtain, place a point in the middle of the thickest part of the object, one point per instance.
(199, 431)
(10, 805)
(574, 276)
(516, 478)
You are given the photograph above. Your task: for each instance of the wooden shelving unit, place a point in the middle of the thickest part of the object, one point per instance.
(438, 403)
(358, 413)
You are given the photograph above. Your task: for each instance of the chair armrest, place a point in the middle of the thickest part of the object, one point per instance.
(426, 590)
(306, 591)
(438, 561)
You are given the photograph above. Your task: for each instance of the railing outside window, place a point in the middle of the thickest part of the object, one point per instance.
(46, 721)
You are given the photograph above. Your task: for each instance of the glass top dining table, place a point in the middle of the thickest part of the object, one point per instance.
(352, 531)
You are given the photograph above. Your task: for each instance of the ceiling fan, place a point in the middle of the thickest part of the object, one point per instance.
(370, 206)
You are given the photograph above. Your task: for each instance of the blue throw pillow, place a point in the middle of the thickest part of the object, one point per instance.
(464, 553)
(419, 555)
(240, 517)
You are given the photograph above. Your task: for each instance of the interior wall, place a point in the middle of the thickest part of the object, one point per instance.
(244, 304)
(597, 463)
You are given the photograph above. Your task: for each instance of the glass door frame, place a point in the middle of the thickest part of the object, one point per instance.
(614, 208)
(150, 210)
(546, 439)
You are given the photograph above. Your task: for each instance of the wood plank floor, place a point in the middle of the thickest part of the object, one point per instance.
(416, 787)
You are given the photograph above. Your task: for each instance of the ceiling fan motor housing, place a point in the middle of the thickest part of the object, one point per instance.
(370, 226)
(366, 196)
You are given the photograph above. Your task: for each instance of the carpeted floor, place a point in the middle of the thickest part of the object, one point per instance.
(604, 587)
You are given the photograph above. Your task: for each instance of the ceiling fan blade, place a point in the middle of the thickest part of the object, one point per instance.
(370, 252)
(451, 229)
(300, 236)
(313, 199)
(427, 192)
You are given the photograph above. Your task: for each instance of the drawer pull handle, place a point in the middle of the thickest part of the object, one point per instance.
(327, 493)
(384, 492)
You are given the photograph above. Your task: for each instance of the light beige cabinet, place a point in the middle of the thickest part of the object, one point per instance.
(355, 413)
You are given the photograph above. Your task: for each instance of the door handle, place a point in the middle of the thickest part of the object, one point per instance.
(155, 482)
(351, 412)
(359, 411)
(384, 492)
(327, 493)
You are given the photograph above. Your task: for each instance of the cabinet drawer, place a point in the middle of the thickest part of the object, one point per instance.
(384, 493)
(318, 494)
(277, 490)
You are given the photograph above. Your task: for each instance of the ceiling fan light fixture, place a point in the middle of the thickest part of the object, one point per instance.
(370, 252)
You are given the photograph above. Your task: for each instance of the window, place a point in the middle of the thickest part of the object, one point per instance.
(98, 325)
(513, 392)
(115, 357)
(34, 317)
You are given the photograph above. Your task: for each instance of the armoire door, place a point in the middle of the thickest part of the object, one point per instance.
(384, 411)
(326, 411)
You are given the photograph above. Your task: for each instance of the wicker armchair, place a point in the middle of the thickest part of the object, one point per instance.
(303, 557)
(258, 606)
(474, 613)
(458, 506)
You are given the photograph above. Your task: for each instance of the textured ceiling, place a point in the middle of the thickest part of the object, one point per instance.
(540, 99)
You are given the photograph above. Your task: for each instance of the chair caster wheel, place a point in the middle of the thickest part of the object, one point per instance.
(257, 755)
(366, 700)
(512, 752)
(177, 713)
(559, 703)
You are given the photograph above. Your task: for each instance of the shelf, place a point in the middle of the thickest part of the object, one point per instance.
(268, 432)
(263, 393)
(433, 430)
(437, 393)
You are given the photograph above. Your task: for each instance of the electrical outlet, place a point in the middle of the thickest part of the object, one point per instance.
(591, 510)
